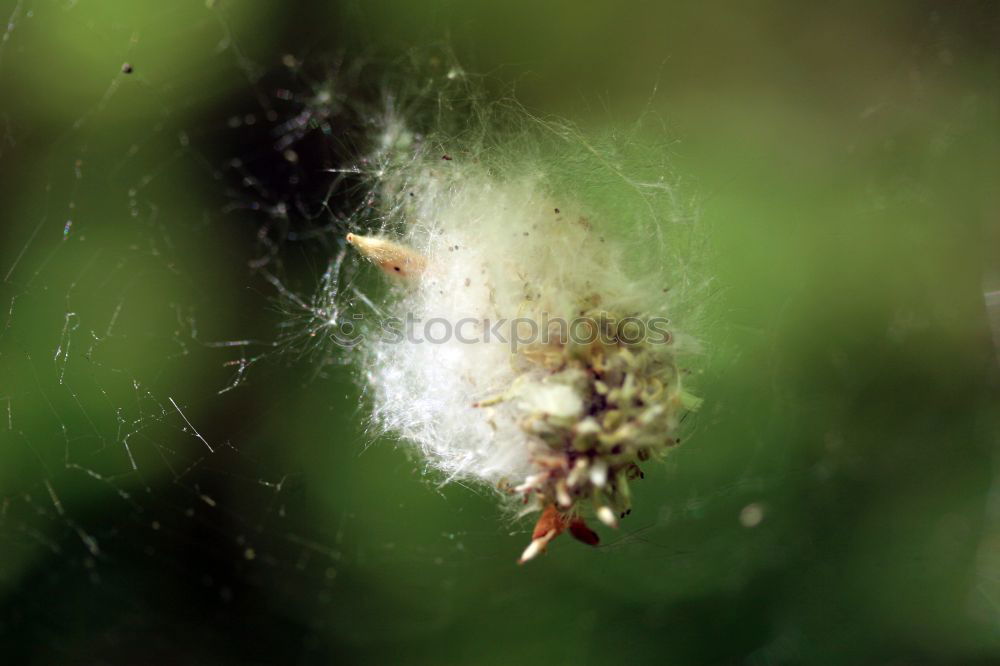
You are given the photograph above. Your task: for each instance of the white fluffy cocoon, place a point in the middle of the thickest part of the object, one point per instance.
(534, 224)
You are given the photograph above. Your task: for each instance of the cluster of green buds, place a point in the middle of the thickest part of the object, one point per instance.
(598, 411)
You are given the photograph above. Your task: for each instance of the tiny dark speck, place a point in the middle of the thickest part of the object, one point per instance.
(446, 157)
(395, 268)
(127, 68)
(557, 210)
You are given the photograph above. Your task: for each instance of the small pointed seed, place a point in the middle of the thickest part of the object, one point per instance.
(607, 516)
(536, 547)
(393, 258)
(550, 524)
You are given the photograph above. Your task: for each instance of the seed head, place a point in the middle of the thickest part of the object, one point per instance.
(499, 250)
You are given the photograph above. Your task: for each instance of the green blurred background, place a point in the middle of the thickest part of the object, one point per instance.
(843, 157)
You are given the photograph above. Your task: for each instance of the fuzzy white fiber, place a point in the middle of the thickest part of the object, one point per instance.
(496, 251)
(504, 232)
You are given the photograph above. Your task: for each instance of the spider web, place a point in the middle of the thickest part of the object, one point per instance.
(144, 281)
(182, 450)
